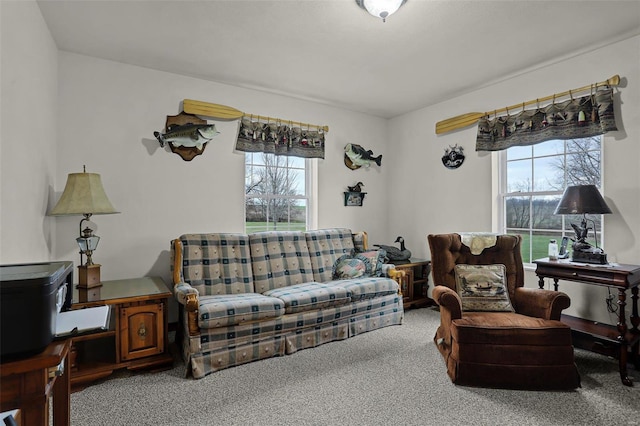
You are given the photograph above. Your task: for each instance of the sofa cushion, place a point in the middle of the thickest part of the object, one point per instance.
(310, 296)
(509, 328)
(216, 264)
(367, 287)
(224, 310)
(279, 259)
(483, 288)
(325, 247)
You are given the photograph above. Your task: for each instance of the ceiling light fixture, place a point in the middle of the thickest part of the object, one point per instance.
(381, 8)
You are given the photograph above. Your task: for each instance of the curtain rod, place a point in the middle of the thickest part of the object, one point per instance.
(223, 112)
(464, 120)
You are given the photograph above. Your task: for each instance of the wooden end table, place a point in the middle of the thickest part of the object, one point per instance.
(137, 333)
(28, 383)
(602, 338)
(416, 282)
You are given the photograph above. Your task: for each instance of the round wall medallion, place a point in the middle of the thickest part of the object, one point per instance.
(453, 157)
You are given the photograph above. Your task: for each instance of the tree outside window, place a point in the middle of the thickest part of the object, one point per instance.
(275, 193)
(536, 177)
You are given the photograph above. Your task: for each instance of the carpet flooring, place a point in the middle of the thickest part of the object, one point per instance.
(391, 376)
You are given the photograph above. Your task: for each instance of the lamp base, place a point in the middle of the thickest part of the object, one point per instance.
(89, 276)
(89, 294)
(589, 257)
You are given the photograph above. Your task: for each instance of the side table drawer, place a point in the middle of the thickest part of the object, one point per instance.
(141, 331)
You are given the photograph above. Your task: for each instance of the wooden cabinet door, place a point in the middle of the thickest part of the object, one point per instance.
(407, 286)
(141, 331)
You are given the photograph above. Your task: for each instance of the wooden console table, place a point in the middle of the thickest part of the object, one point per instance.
(601, 338)
(28, 383)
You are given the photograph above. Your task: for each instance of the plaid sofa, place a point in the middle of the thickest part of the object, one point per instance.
(248, 297)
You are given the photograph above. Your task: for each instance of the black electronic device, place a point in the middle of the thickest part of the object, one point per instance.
(563, 253)
(31, 295)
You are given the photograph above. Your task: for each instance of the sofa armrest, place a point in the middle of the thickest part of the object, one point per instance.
(182, 291)
(449, 302)
(546, 304)
(186, 295)
(395, 274)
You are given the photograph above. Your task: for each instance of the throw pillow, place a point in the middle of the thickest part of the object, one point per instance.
(376, 260)
(483, 288)
(347, 267)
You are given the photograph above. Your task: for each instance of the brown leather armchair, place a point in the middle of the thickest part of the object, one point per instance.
(526, 349)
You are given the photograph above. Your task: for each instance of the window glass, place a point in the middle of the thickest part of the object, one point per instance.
(518, 152)
(534, 179)
(276, 195)
(519, 175)
(553, 147)
(547, 174)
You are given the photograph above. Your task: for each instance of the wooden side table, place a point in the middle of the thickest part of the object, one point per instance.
(28, 383)
(137, 334)
(602, 338)
(416, 282)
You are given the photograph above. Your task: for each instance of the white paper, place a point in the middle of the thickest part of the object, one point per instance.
(80, 320)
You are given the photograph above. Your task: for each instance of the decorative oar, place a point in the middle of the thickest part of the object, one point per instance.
(223, 112)
(464, 120)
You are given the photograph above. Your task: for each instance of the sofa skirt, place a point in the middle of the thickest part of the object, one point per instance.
(217, 349)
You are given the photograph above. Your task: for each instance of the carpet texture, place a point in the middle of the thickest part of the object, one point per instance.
(391, 376)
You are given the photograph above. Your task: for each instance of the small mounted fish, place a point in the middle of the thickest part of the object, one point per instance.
(356, 156)
(188, 135)
(453, 157)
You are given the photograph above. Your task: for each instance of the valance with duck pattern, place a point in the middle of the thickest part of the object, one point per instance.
(280, 138)
(576, 118)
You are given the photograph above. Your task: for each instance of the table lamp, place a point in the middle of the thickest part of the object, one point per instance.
(584, 199)
(84, 195)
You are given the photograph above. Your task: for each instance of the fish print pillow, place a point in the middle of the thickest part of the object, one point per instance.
(483, 288)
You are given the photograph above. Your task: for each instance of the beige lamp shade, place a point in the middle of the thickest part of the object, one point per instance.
(83, 194)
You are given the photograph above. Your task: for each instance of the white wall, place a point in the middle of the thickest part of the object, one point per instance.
(108, 112)
(28, 123)
(438, 200)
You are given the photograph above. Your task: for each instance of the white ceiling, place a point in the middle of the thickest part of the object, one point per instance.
(333, 52)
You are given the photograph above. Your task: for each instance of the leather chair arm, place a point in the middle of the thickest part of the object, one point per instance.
(546, 304)
(448, 300)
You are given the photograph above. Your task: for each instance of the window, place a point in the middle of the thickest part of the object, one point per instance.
(532, 180)
(277, 192)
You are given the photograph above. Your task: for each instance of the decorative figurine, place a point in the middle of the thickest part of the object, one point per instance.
(395, 253)
(356, 188)
(580, 242)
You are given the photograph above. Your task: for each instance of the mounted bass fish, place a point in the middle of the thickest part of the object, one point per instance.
(187, 135)
(356, 156)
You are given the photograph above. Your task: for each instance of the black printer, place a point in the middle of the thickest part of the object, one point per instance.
(31, 296)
